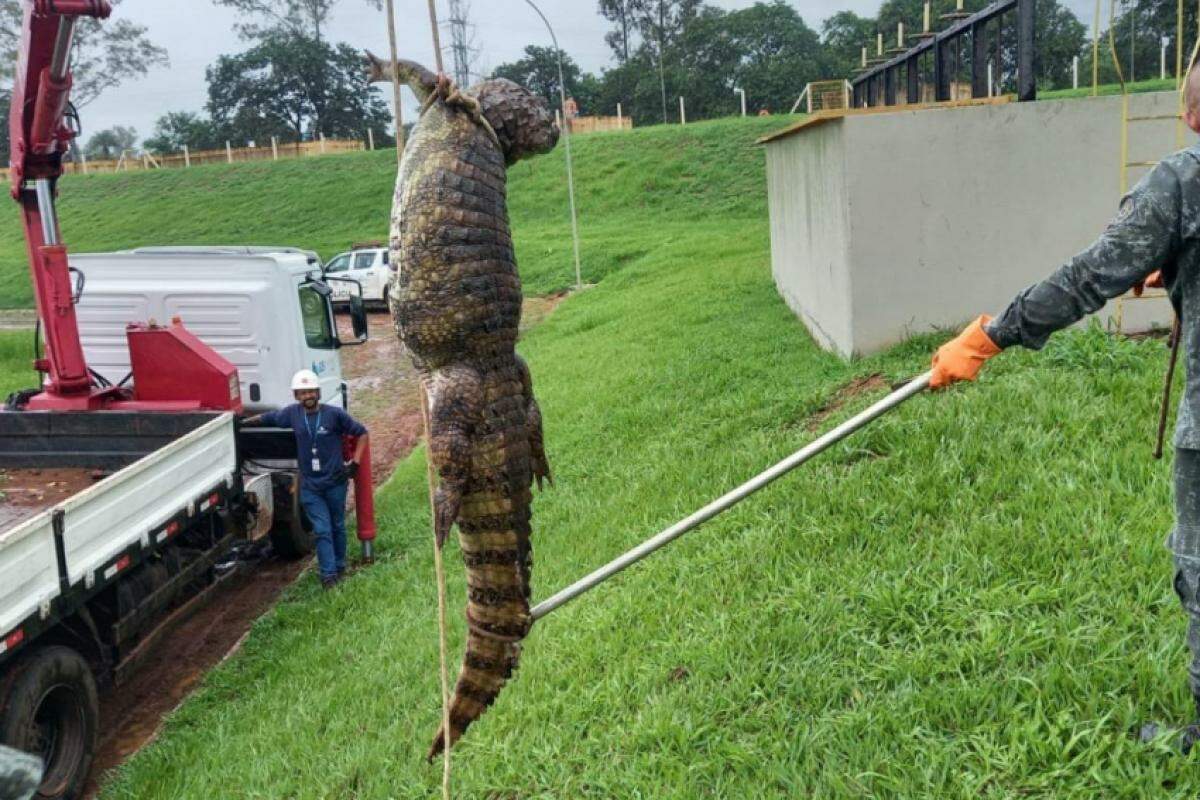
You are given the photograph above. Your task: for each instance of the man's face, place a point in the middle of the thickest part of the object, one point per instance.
(308, 398)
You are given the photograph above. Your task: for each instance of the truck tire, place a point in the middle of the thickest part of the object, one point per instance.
(291, 533)
(49, 708)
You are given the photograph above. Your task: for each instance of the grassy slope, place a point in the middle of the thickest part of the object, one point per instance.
(327, 203)
(969, 599)
(16, 356)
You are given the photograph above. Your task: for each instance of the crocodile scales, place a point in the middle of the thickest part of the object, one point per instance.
(456, 301)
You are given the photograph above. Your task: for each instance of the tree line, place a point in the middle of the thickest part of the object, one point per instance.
(663, 49)
(291, 82)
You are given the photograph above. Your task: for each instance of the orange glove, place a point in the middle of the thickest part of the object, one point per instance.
(961, 358)
(1153, 281)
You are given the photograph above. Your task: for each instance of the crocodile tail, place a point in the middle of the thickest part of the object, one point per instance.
(487, 666)
(498, 568)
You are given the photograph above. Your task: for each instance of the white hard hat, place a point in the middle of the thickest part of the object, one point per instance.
(305, 379)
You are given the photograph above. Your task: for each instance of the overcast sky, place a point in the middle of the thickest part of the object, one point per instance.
(196, 33)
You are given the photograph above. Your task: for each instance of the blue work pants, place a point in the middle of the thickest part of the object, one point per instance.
(326, 510)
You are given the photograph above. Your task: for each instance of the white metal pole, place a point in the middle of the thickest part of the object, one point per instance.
(731, 498)
(1162, 60)
(742, 92)
(1075, 72)
(83, 160)
(187, 156)
(228, 152)
(682, 112)
(991, 83)
(620, 117)
(371, 138)
(274, 149)
(322, 144)
(566, 132)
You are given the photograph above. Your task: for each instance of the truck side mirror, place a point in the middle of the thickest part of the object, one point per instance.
(358, 316)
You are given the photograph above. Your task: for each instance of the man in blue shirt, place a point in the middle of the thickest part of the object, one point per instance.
(323, 475)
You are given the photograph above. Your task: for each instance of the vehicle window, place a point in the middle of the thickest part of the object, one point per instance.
(339, 264)
(364, 260)
(318, 331)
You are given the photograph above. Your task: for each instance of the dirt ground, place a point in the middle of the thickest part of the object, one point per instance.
(25, 492)
(384, 396)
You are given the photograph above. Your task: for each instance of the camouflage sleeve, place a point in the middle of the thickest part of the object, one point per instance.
(1140, 239)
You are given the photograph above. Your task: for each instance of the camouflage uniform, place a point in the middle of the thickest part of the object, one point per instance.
(1156, 227)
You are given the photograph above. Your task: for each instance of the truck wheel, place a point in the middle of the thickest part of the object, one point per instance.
(291, 533)
(48, 707)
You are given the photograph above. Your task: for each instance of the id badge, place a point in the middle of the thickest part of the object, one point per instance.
(316, 465)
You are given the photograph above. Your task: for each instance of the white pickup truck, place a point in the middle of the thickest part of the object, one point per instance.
(366, 266)
(113, 525)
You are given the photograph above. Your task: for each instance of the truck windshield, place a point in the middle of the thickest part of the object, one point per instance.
(318, 331)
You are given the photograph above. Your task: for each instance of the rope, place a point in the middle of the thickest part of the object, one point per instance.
(440, 569)
(391, 20)
(437, 551)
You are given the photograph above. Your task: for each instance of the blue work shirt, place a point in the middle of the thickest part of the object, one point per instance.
(318, 438)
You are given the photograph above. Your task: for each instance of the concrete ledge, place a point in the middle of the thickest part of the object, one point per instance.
(888, 224)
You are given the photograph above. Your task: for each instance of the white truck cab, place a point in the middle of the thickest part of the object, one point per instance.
(369, 266)
(267, 310)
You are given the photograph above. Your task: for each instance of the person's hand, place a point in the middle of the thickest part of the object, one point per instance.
(351, 468)
(1153, 281)
(961, 358)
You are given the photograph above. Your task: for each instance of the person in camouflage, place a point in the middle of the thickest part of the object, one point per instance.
(1154, 239)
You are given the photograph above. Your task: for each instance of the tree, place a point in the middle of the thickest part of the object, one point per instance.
(291, 86)
(104, 53)
(621, 14)
(844, 35)
(765, 49)
(179, 128)
(660, 22)
(111, 143)
(305, 18)
(538, 72)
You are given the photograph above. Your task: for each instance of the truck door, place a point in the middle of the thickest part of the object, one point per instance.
(320, 342)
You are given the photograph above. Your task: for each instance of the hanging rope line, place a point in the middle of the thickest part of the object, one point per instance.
(391, 26)
(731, 498)
(440, 568)
(437, 37)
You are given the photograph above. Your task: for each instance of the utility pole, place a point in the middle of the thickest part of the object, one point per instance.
(462, 41)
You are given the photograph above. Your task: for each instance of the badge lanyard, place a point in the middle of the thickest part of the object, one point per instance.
(316, 462)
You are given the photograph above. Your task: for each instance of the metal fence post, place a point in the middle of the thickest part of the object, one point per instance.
(228, 152)
(682, 112)
(371, 138)
(274, 149)
(941, 70)
(979, 60)
(620, 117)
(1026, 80)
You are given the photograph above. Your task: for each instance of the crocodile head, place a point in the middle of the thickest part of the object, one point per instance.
(523, 123)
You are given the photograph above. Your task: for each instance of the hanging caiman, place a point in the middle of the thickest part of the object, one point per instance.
(456, 304)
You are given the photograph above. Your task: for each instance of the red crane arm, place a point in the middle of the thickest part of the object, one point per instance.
(39, 139)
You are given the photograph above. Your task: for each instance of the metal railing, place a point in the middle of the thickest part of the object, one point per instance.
(878, 84)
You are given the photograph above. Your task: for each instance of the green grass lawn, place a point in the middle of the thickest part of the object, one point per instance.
(627, 185)
(969, 599)
(16, 362)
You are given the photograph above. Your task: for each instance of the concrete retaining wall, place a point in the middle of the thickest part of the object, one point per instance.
(889, 224)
